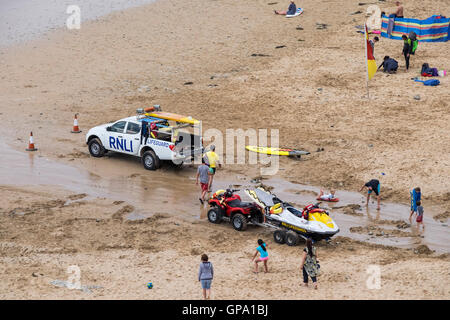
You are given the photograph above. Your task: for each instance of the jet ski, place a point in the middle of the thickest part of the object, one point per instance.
(310, 222)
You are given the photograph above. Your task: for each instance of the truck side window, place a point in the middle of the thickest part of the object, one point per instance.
(118, 126)
(133, 128)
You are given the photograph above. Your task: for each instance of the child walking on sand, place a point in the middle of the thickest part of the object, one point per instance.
(264, 256)
(205, 276)
(419, 219)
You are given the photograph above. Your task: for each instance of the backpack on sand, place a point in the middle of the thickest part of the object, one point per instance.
(413, 41)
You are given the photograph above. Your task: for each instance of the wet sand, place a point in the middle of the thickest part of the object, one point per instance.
(174, 192)
(109, 215)
(42, 233)
(24, 20)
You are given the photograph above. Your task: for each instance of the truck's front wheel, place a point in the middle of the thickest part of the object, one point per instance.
(96, 148)
(150, 160)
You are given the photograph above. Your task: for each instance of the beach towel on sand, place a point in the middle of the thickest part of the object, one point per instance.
(431, 82)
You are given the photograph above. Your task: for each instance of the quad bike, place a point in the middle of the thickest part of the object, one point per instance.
(225, 204)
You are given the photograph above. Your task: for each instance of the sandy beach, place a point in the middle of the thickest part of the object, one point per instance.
(249, 69)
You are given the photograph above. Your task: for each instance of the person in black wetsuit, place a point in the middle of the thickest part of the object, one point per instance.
(372, 186)
(291, 10)
(407, 49)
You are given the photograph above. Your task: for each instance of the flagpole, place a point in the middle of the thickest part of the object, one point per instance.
(366, 36)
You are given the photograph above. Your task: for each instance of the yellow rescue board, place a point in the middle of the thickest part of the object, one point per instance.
(276, 151)
(172, 116)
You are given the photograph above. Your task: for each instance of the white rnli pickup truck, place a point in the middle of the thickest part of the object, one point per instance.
(152, 135)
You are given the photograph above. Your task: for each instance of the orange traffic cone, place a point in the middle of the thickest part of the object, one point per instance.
(31, 143)
(75, 125)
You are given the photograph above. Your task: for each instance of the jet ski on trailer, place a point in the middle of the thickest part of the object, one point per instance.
(292, 223)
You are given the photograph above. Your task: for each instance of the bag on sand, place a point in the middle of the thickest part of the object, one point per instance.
(414, 42)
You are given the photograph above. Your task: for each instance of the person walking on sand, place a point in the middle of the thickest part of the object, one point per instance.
(264, 256)
(212, 160)
(419, 219)
(291, 10)
(309, 265)
(373, 185)
(205, 276)
(203, 176)
(415, 197)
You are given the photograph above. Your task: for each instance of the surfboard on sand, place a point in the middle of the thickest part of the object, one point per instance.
(277, 151)
(297, 13)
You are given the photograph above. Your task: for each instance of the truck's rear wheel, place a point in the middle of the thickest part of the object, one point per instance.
(215, 215)
(150, 160)
(96, 148)
(292, 238)
(239, 222)
(279, 236)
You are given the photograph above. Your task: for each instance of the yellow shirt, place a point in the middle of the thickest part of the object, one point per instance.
(212, 158)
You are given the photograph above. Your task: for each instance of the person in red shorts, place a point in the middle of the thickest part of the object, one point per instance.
(419, 219)
(203, 176)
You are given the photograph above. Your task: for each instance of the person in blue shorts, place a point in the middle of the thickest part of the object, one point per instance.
(290, 11)
(205, 276)
(372, 186)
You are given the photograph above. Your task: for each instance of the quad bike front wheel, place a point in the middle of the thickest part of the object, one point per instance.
(239, 222)
(215, 215)
(279, 236)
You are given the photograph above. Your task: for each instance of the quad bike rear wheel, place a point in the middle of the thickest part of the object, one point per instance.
(215, 215)
(292, 238)
(279, 236)
(239, 222)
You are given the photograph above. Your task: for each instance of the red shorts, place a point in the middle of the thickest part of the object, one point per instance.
(204, 186)
(419, 219)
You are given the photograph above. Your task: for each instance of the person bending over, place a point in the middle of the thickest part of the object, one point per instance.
(389, 65)
(372, 186)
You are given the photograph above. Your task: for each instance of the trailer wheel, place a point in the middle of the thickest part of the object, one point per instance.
(215, 215)
(239, 222)
(150, 160)
(279, 236)
(292, 238)
(96, 148)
